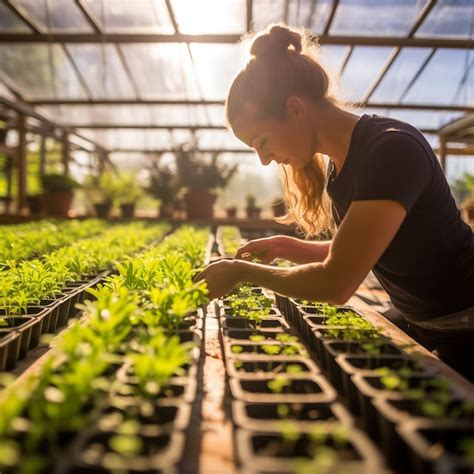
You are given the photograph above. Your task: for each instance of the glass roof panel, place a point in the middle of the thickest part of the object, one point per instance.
(163, 115)
(210, 16)
(99, 114)
(162, 71)
(216, 113)
(10, 23)
(40, 71)
(331, 57)
(307, 13)
(57, 16)
(401, 72)
(100, 65)
(365, 62)
(129, 139)
(180, 115)
(218, 139)
(451, 18)
(216, 67)
(131, 16)
(310, 14)
(266, 12)
(180, 137)
(375, 17)
(447, 79)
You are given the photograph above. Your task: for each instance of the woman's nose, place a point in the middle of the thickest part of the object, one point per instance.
(265, 159)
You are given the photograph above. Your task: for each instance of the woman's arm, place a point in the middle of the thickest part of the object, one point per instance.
(365, 233)
(281, 246)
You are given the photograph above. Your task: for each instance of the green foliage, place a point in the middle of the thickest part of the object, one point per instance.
(163, 184)
(160, 359)
(463, 189)
(198, 170)
(246, 303)
(29, 282)
(58, 183)
(278, 384)
(230, 238)
(35, 239)
(114, 330)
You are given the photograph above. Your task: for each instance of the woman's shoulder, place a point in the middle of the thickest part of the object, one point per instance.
(394, 139)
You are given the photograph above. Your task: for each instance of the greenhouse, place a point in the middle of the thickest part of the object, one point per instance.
(236, 236)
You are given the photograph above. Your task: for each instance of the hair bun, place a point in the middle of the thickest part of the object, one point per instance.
(276, 41)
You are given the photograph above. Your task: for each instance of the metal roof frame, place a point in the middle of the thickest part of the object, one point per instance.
(101, 37)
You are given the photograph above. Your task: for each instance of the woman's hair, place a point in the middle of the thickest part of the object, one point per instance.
(283, 63)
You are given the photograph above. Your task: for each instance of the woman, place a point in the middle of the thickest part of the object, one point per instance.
(383, 188)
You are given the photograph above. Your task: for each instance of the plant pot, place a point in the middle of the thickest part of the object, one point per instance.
(35, 205)
(236, 335)
(127, 210)
(57, 203)
(350, 365)
(160, 453)
(102, 209)
(29, 330)
(392, 413)
(266, 416)
(267, 451)
(231, 212)
(311, 389)
(9, 349)
(264, 351)
(249, 368)
(333, 348)
(370, 387)
(268, 324)
(199, 204)
(335, 333)
(165, 415)
(51, 320)
(253, 212)
(435, 447)
(225, 311)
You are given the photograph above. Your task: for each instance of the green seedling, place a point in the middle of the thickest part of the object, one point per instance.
(278, 384)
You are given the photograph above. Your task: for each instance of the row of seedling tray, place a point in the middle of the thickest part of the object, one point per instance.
(21, 333)
(116, 393)
(285, 411)
(422, 421)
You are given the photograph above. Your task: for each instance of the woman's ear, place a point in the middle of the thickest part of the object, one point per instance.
(295, 107)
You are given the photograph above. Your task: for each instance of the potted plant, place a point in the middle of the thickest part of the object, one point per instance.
(253, 212)
(58, 194)
(164, 186)
(278, 207)
(128, 192)
(231, 212)
(200, 175)
(102, 192)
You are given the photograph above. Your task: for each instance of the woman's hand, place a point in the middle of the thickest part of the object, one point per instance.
(221, 277)
(266, 249)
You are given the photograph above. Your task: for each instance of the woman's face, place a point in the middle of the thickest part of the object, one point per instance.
(288, 141)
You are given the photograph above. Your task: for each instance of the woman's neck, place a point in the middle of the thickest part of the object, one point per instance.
(333, 129)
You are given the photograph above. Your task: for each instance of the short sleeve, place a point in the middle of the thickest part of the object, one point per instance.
(397, 167)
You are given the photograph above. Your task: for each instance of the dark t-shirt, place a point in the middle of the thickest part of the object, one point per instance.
(428, 268)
